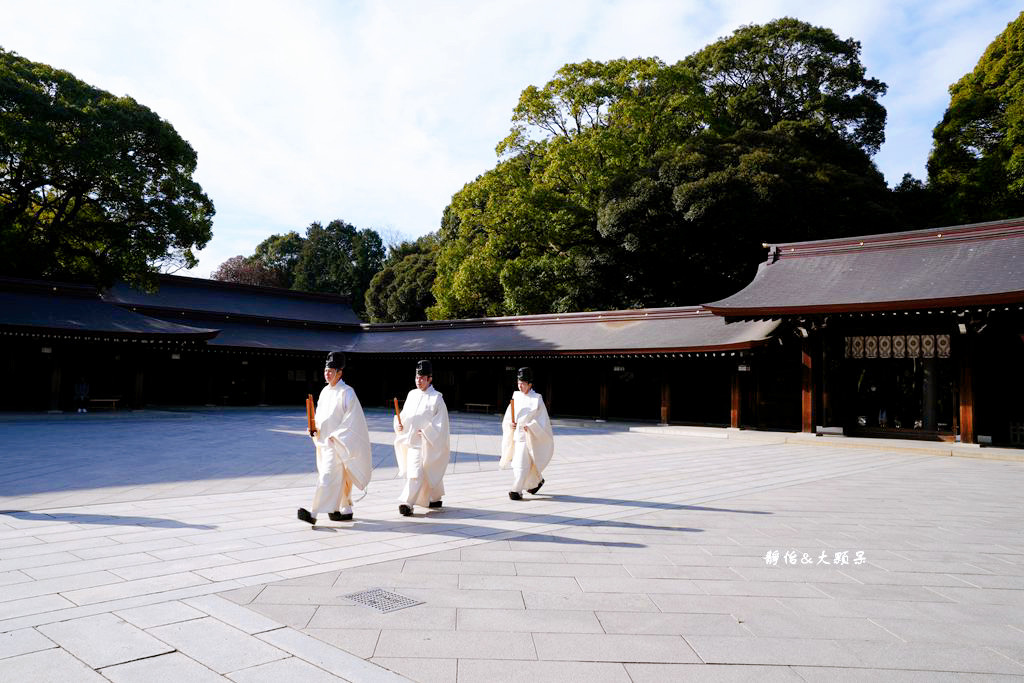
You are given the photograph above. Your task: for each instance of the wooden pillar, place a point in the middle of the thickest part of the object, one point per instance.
(263, 383)
(55, 387)
(549, 389)
(966, 395)
(666, 401)
(806, 386)
(735, 402)
(139, 398)
(603, 406)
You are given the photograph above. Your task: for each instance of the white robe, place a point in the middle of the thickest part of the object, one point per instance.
(342, 446)
(422, 460)
(528, 447)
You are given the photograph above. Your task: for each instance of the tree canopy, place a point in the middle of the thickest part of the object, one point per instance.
(976, 165)
(92, 186)
(337, 258)
(400, 291)
(632, 183)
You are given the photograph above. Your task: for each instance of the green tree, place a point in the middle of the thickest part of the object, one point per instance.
(339, 259)
(977, 160)
(280, 255)
(401, 290)
(789, 70)
(92, 186)
(636, 184)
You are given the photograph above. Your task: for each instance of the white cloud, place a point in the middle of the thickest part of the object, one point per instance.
(377, 112)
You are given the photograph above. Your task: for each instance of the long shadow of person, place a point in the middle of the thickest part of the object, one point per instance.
(111, 520)
(562, 498)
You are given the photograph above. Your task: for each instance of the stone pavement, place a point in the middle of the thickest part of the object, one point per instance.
(141, 546)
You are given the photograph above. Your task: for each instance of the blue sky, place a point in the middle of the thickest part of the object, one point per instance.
(377, 112)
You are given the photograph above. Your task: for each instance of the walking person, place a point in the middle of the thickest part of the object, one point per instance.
(527, 442)
(343, 452)
(422, 443)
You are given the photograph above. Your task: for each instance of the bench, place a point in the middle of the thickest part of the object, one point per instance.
(478, 408)
(108, 402)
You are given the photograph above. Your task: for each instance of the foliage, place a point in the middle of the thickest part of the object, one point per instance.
(246, 271)
(400, 291)
(92, 186)
(280, 255)
(339, 259)
(635, 184)
(788, 70)
(977, 160)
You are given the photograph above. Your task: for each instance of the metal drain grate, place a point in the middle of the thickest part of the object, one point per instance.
(382, 600)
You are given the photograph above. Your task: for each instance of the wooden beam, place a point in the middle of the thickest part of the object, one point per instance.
(666, 401)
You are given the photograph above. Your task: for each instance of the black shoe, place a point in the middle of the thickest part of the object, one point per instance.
(304, 515)
(515, 495)
(435, 503)
(404, 510)
(536, 488)
(339, 517)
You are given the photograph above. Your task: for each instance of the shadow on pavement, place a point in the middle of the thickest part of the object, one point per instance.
(114, 520)
(641, 504)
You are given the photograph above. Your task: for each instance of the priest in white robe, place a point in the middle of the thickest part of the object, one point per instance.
(527, 441)
(422, 445)
(343, 451)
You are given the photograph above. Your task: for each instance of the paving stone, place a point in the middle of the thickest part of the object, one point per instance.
(626, 602)
(291, 669)
(362, 642)
(360, 616)
(449, 597)
(170, 667)
(779, 651)
(528, 621)
(330, 659)
(711, 673)
(66, 568)
(23, 641)
(938, 657)
(48, 666)
(455, 644)
(127, 589)
(488, 671)
(613, 648)
(159, 614)
(231, 614)
(421, 670)
(36, 605)
(295, 616)
(103, 640)
(535, 584)
(666, 624)
(217, 645)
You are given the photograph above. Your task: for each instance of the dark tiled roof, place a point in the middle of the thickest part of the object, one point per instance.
(980, 264)
(664, 329)
(210, 296)
(262, 335)
(64, 309)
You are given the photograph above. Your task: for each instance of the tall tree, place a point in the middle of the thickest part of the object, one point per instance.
(636, 184)
(400, 291)
(789, 70)
(280, 254)
(339, 259)
(977, 160)
(92, 186)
